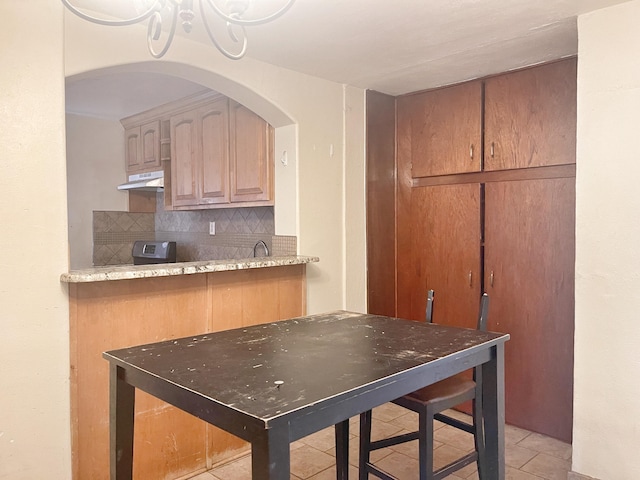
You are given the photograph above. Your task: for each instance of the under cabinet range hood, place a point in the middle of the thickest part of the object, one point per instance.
(150, 181)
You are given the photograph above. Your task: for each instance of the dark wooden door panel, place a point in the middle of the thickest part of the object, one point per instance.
(404, 187)
(445, 243)
(530, 117)
(529, 274)
(446, 130)
(381, 204)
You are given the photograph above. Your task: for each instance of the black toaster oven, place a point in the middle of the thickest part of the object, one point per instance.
(149, 252)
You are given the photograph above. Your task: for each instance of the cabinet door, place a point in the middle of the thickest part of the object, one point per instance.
(446, 130)
(530, 117)
(185, 154)
(251, 156)
(214, 121)
(133, 149)
(529, 275)
(445, 239)
(150, 145)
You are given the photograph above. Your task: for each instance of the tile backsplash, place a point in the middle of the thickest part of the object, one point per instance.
(237, 231)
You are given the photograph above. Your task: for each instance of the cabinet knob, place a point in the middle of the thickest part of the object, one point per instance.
(470, 278)
(471, 151)
(492, 150)
(491, 278)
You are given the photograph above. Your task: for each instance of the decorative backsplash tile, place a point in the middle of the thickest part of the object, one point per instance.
(111, 222)
(237, 232)
(228, 220)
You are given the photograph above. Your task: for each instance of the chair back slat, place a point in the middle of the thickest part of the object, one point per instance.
(484, 312)
(482, 315)
(429, 312)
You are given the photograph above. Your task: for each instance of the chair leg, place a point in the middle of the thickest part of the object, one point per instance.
(365, 444)
(425, 444)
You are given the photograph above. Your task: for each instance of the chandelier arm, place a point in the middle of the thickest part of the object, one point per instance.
(113, 23)
(224, 51)
(239, 21)
(233, 21)
(156, 19)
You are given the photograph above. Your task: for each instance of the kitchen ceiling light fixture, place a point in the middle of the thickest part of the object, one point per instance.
(232, 13)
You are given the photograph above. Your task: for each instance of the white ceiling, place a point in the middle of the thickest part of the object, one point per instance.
(394, 47)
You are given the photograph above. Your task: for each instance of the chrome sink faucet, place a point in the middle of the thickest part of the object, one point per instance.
(264, 245)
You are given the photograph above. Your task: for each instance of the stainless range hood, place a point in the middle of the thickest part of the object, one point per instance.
(150, 181)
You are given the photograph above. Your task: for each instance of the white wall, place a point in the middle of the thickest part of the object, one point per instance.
(95, 167)
(313, 107)
(355, 214)
(286, 175)
(606, 433)
(34, 316)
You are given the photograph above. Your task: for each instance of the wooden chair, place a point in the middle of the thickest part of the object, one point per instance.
(429, 402)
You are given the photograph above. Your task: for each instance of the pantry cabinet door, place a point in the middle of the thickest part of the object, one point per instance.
(529, 275)
(530, 117)
(445, 130)
(445, 250)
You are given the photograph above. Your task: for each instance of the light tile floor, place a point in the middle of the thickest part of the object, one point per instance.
(529, 456)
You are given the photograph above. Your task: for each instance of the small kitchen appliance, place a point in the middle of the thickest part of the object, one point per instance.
(150, 252)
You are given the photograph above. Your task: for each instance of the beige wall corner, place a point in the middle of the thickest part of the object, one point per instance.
(34, 317)
(607, 334)
(94, 147)
(355, 200)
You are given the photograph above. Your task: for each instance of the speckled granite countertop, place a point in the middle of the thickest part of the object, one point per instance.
(126, 272)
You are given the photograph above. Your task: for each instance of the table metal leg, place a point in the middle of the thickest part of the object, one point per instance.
(342, 450)
(270, 458)
(493, 411)
(121, 418)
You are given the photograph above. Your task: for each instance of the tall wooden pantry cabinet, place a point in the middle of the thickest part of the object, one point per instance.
(484, 201)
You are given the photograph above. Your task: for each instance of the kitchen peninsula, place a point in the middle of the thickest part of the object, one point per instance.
(119, 306)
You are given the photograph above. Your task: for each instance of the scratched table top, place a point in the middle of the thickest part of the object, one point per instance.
(271, 370)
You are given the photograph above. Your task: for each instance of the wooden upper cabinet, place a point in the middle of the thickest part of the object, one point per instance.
(214, 169)
(250, 156)
(530, 117)
(446, 130)
(142, 147)
(221, 155)
(200, 155)
(214, 151)
(185, 155)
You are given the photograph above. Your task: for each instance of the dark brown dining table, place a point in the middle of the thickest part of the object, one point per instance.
(275, 383)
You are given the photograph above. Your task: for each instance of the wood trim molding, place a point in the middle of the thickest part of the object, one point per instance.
(538, 173)
(171, 108)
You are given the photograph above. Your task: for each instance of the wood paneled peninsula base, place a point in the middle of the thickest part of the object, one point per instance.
(161, 302)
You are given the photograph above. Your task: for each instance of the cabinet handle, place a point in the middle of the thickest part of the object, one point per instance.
(471, 151)
(470, 277)
(492, 150)
(491, 278)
